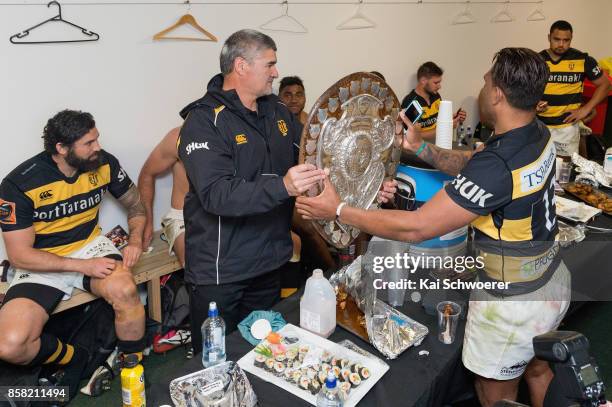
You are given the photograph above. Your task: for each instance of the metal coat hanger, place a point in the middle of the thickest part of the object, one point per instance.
(186, 19)
(57, 18)
(503, 16)
(537, 14)
(465, 17)
(357, 21)
(273, 24)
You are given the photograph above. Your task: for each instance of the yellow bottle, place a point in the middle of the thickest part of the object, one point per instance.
(132, 383)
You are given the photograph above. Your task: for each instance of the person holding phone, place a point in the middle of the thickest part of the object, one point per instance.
(429, 82)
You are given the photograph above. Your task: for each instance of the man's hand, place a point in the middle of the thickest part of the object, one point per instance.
(301, 177)
(412, 140)
(576, 115)
(459, 117)
(387, 191)
(98, 267)
(147, 235)
(131, 253)
(542, 106)
(322, 206)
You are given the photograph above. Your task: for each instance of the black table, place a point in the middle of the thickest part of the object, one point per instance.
(415, 380)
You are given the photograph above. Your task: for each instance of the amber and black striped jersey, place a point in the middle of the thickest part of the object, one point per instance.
(62, 210)
(430, 111)
(563, 91)
(510, 185)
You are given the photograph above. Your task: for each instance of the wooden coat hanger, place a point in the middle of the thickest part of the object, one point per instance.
(186, 19)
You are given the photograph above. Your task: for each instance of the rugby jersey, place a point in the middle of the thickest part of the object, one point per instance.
(62, 210)
(430, 112)
(563, 91)
(510, 185)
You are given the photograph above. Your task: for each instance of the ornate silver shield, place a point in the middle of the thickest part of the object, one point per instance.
(356, 141)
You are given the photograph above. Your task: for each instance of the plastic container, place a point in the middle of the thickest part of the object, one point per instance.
(318, 305)
(132, 383)
(607, 164)
(329, 395)
(213, 337)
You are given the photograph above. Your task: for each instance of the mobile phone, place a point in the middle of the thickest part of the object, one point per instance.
(414, 111)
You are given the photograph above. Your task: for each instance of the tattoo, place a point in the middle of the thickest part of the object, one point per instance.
(450, 162)
(131, 201)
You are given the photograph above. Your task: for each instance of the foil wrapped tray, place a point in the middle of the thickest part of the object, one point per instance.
(351, 131)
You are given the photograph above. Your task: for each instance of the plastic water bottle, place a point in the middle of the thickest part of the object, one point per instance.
(468, 135)
(213, 337)
(318, 305)
(329, 396)
(460, 133)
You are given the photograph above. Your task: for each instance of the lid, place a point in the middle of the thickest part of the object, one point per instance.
(317, 273)
(330, 380)
(212, 309)
(261, 328)
(130, 360)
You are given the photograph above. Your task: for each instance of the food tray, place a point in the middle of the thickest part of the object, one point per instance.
(376, 366)
(575, 211)
(587, 193)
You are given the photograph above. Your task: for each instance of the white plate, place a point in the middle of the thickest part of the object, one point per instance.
(377, 367)
(576, 211)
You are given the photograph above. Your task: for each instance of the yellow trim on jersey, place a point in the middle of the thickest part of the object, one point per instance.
(67, 223)
(69, 248)
(429, 111)
(218, 110)
(532, 177)
(513, 230)
(556, 111)
(61, 190)
(553, 88)
(567, 65)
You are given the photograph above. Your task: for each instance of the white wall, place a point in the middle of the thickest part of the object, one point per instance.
(135, 87)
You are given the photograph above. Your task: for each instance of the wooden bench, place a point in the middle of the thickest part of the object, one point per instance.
(149, 269)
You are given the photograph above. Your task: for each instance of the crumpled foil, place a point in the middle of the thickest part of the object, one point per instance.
(390, 331)
(223, 385)
(591, 167)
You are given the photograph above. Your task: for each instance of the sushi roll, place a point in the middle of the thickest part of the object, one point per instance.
(356, 368)
(336, 371)
(322, 376)
(311, 373)
(288, 374)
(326, 357)
(314, 387)
(344, 363)
(354, 379)
(344, 389)
(260, 361)
(304, 383)
(269, 365)
(295, 376)
(344, 375)
(296, 365)
(301, 357)
(364, 373)
(279, 368)
(291, 355)
(316, 367)
(335, 361)
(303, 349)
(280, 357)
(325, 367)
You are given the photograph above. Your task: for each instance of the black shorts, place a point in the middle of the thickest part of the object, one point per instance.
(44, 295)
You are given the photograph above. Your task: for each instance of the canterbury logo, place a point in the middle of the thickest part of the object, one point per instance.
(282, 126)
(93, 178)
(241, 139)
(45, 195)
(196, 146)
(471, 191)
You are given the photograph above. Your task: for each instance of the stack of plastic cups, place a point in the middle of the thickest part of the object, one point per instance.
(444, 125)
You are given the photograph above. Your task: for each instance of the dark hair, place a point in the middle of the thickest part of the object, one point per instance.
(429, 69)
(561, 25)
(66, 127)
(381, 76)
(522, 75)
(290, 81)
(245, 44)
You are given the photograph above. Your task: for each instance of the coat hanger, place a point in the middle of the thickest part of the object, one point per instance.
(503, 16)
(465, 17)
(186, 19)
(356, 21)
(284, 22)
(537, 14)
(57, 18)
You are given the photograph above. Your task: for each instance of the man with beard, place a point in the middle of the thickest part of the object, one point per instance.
(429, 82)
(239, 144)
(561, 107)
(506, 192)
(291, 93)
(50, 229)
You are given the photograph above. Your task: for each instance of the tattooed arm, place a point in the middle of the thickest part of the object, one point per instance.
(136, 223)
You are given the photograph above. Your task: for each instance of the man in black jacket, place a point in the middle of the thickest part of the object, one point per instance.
(239, 145)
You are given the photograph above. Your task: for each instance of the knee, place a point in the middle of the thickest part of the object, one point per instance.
(12, 345)
(122, 292)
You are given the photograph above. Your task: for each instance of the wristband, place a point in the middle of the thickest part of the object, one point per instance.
(420, 150)
(339, 208)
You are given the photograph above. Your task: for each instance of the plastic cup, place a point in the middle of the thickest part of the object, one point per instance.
(396, 296)
(448, 319)
(445, 113)
(444, 134)
(564, 172)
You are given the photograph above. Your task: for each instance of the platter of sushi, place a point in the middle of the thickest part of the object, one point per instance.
(298, 361)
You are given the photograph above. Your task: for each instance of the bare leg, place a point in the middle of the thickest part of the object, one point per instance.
(490, 391)
(119, 290)
(21, 323)
(179, 248)
(538, 376)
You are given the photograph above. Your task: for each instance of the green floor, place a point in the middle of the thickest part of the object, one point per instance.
(593, 320)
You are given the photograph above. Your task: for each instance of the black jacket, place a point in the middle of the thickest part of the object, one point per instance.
(237, 211)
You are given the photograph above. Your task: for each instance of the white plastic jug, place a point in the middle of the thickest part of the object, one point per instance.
(318, 305)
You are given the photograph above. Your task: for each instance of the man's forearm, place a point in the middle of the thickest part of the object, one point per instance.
(136, 226)
(450, 162)
(388, 224)
(39, 260)
(146, 187)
